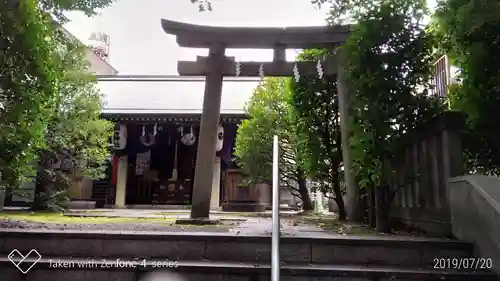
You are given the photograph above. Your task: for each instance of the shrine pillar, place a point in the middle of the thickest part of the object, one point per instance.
(215, 199)
(352, 189)
(205, 159)
(121, 182)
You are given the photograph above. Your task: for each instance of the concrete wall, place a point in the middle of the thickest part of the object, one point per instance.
(98, 66)
(475, 214)
(81, 190)
(286, 197)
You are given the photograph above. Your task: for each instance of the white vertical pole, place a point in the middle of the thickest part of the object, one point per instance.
(275, 252)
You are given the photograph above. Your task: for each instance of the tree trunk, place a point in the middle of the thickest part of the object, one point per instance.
(338, 197)
(8, 196)
(364, 204)
(382, 207)
(340, 203)
(41, 185)
(372, 217)
(307, 204)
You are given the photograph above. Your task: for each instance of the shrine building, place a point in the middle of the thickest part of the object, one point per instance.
(157, 123)
(175, 136)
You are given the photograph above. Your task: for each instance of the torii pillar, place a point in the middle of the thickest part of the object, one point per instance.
(216, 66)
(205, 159)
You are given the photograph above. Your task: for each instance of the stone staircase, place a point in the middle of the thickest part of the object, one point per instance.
(120, 256)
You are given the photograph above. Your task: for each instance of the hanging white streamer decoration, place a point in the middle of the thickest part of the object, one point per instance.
(144, 138)
(238, 68)
(189, 139)
(261, 71)
(155, 129)
(296, 73)
(319, 67)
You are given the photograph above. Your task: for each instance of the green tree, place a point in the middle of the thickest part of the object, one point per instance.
(388, 61)
(32, 79)
(270, 114)
(316, 110)
(29, 85)
(468, 31)
(77, 138)
(57, 7)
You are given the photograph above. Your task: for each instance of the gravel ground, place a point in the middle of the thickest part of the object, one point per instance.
(6, 223)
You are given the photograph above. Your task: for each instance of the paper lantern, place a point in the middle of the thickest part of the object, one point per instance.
(220, 138)
(120, 137)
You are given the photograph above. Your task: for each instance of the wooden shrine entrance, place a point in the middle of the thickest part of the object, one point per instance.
(217, 65)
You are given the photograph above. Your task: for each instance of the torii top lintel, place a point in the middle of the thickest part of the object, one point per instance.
(201, 36)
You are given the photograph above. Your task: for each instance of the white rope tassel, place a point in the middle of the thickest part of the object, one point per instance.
(319, 67)
(155, 129)
(238, 69)
(296, 73)
(261, 71)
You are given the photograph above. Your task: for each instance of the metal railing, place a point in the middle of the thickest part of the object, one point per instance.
(275, 250)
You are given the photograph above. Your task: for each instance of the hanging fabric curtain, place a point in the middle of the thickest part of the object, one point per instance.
(142, 163)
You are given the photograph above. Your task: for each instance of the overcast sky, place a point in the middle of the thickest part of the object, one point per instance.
(140, 46)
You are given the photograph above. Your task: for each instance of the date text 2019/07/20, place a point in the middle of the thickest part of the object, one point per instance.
(463, 263)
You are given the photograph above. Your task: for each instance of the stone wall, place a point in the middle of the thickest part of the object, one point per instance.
(475, 214)
(220, 247)
(419, 168)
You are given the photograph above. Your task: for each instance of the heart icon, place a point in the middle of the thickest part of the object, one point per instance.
(24, 262)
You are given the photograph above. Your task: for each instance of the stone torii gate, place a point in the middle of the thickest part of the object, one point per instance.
(217, 65)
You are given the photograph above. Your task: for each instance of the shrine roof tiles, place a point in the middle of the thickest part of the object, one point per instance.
(170, 97)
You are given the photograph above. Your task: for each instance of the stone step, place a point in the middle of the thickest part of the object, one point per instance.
(230, 247)
(57, 269)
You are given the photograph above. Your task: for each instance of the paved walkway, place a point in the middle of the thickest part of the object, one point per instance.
(264, 226)
(251, 223)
